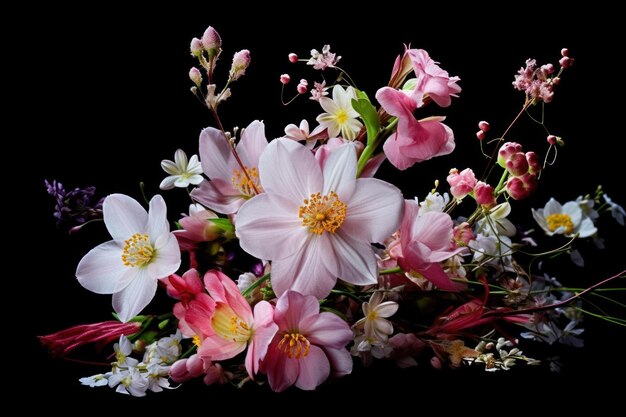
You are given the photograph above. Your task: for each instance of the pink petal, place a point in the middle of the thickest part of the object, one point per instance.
(292, 308)
(102, 268)
(433, 229)
(215, 348)
(123, 216)
(374, 211)
(290, 169)
(223, 289)
(396, 103)
(252, 144)
(340, 171)
(167, 259)
(215, 154)
(326, 329)
(432, 138)
(281, 371)
(135, 296)
(270, 218)
(340, 361)
(314, 369)
(199, 314)
(264, 331)
(356, 260)
(435, 274)
(394, 152)
(411, 210)
(218, 195)
(371, 167)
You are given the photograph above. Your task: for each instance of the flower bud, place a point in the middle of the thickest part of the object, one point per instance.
(566, 62)
(462, 234)
(480, 135)
(517, 165)
(548, 68)
(212, 41)
(521, 187)
(302, 88)
(195, 76)
(551, 139)
(484, 126)
(196, 47)
(293, 58)
(506, 151)
(435, 362)
(534, 164)
(484, 194)
(556, 81)
(285, 78)
(241, 61)
(564, 52)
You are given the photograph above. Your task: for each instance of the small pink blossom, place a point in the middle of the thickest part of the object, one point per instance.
(506, 151)
(534, 163)
(536, 82)
(285, 78)
(197, 228)
(484, 126)
(241, 62)
(308, 347)
(461, 183)
(195, 76)
(462, 234)
(303, 133)
(481, 135)
(196, 47)
(431, 81)
(324, 59)
(484, 194)
(517, 165)
(184, 288)
(188, 368)
(414, 140)
(318, 91)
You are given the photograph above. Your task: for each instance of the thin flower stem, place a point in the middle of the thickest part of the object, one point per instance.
(610, 319)
(390, 271)
(347, 294)
(189, 351)
(255, 284)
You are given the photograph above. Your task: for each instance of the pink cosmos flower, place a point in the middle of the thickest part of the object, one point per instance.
(461, 183)
(308, 346)
(414, 140)
(142, 251)
(229, 187)
(316, 224)
(426, 240)
(225, 323)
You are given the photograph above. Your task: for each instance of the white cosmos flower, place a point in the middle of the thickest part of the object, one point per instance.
(567, 219)
(375, 314)
(340, 116)
(142, 251)
(182, 171)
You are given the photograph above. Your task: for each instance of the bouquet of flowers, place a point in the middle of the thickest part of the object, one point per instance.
(294, 261)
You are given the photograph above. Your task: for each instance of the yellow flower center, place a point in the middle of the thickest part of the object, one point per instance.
(321, 214)
(229, 326)
(196, 340)
(372, 315)
(138, 251)
(246, 185)
(294, 345)
(341, 117)
(557, 220)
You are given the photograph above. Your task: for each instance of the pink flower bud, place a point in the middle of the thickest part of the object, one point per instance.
(521, 187)
(302, 88)
(293, 58)
(548, 68)
(564, 52)
(534, 164)
(285, 78)
(435, 362)
(304, 82)
(551, 139)
(556, 81)
(195, 76)
(506, 151)
(241, 61)
(484, 194)
(212, 41)
(484, 126)
(517, 165)
(566, 62)
(462, 234)
(196, 47)
(185, 369)
(461, 184)
(480, 135)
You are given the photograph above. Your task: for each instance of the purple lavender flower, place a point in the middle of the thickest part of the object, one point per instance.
(74, 207)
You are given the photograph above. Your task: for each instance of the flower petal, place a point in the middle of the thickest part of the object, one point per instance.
(387, 309)
(167, 259)
(169, 167)
(123, 216)
(281, 371)
(264, 331)
(586, 228)
(215, 348)
(340, 171)
(168, 182)
(129, 302)
(252, 144)
(340, 361)
(314, 369)
(326, 329)
(356, 260)
(101, 269)
(293, 308)
(552, 207)
(215, 154)
(180, 157)
(218, 195)
(157, 218)
(572, 209)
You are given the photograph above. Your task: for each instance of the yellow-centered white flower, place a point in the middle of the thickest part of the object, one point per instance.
(340, 117)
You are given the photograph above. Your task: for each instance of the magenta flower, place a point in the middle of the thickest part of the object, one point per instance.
(414, 140)
(225, 324)
(426, 240)
(308, 346)
(229, 187)
(316, 224)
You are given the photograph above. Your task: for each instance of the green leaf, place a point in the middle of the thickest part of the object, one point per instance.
(367, 111)
(223, 224)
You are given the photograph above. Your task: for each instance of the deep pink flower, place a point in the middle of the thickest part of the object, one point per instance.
(63, 342)
(461, 183)
(229, 187)
(484, 194)
(414, 140)
(521, 187)
(425, 242)
(185, 289)
(309, 345)
(316, 224)
(225, 323)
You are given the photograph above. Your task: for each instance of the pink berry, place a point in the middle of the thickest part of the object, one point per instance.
(293, 58)
(564, 52)
(484, 126)
(551, 139)
(285, 78)
(480, 135)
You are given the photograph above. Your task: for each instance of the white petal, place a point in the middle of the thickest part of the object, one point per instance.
(552, 207)
(180, 157)
(329, 105)
(157, 218)
(168, 182)
(586, 228)
(541, 220)
(170, 167)
(387, 309)
(252, 144)
(181, 182)
(194, 166)
(195, 179)
(572, 209)
(357, 262)
(136, 296)
(123, 216)
(215, 154)
(101, 269)
(167, 259)
(340, 171)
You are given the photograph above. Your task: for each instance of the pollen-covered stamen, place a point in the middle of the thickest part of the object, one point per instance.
(560, 220)
(294, 345)
(138, 251)
(247, 185)
(321, 214)
(229, 326)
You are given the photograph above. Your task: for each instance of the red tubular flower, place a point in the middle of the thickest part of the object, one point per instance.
(63, 342)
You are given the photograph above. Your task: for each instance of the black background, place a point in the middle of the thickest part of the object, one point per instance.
(103, 96)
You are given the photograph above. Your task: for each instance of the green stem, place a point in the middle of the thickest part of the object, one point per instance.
(369, 150)
(255, 284)
(347, 294)
(389, 271)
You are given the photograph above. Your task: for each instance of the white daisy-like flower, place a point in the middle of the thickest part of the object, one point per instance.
(97, 380)
(567, 219)
(376, 312)
(340, 117)
(182, 171)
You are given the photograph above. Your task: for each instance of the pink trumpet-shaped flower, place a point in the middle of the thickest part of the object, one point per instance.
(185, 289)
(431, 80)
(425, 242)
(225, 323)
(414, 140)
(309, 345)
(316, 224)
(230, 187)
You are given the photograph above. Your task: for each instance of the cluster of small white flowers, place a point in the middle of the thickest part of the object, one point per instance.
(129, 376)
(500, 358)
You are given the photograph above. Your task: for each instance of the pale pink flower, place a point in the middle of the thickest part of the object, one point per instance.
(322, 60)
(535, 82)
(431, 81)
(225, 323)
(197, 228)
(142, 251)
(426, 241)
(316, 224)
(229, 187)
(303, 133)
(461, 183)
(308, 347)
(414, 140)
(318, 91)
